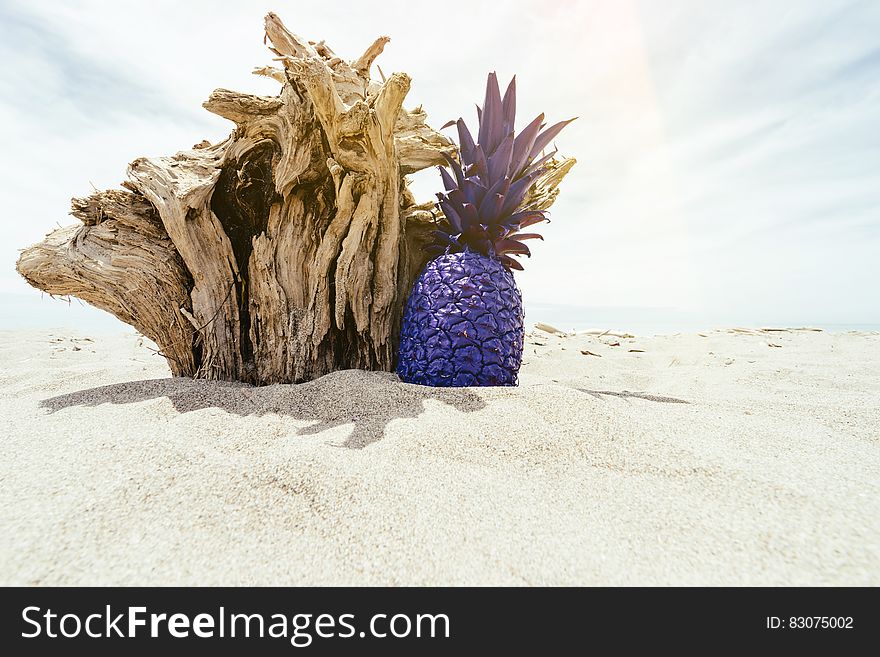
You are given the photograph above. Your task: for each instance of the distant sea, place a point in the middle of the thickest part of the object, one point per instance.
(33, 311)
(660, 321)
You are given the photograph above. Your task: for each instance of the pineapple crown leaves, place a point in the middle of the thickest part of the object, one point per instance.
(488, 183)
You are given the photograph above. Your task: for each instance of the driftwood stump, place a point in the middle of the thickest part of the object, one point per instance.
(282, 253)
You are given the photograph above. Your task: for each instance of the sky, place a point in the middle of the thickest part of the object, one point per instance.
(728, 152)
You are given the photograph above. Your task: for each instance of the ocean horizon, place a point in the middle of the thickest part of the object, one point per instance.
(42, 312)
(665, 320)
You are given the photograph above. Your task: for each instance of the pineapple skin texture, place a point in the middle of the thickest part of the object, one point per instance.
(463, 324)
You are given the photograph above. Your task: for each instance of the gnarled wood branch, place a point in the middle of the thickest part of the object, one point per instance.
(122, 261)
(285, 251)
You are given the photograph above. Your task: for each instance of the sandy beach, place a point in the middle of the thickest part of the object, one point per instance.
(729, 457)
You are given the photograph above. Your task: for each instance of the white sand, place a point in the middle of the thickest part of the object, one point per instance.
(589, 473)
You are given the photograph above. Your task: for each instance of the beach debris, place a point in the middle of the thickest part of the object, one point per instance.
(63, 344)
(773, 344)
(587, 352)
(603, 332)
(547, 328)
(729, 361)
(636, 351)
(769, 329)
(613, 344)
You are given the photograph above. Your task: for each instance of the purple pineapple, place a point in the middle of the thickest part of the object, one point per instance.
(464, 324)
(463, 321)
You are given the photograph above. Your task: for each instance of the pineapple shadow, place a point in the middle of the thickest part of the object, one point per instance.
(369, 400)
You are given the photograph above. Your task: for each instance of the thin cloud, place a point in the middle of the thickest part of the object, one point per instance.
(48, 82)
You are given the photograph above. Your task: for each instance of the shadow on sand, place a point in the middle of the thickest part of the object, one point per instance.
(626, 394)
(370, 400)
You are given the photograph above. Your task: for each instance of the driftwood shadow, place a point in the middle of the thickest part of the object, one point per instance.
(369, 400)
(626, 394)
